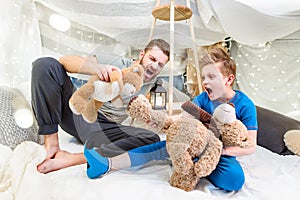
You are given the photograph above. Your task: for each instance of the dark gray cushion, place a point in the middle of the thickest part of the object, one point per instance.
(271, 128)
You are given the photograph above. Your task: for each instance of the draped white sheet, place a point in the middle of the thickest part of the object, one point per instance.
(26, 35)
(268, 176)
(248, 22)
(270, 74)
(123, 26)
(20, 43)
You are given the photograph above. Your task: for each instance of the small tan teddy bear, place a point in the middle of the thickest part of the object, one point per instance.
(193, 149)
(232, 131)
(93, 94)
(223, 123)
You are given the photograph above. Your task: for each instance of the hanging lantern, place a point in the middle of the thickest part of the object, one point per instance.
(158, 96)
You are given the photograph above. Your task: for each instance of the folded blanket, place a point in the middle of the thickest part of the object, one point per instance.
(18, 173)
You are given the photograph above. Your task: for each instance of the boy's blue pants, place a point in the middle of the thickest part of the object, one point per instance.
(228, 174)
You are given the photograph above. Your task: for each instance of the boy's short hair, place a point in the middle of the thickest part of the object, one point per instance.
(216, 55)
(161, 44)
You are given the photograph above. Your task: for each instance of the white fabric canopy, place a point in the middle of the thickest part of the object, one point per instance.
(267, 51)
(123, 26)
(247, 22)
(252, 22)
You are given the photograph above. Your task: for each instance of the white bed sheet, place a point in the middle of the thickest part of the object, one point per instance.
(268, 176)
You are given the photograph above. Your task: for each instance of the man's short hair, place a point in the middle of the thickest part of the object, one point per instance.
(161, 44)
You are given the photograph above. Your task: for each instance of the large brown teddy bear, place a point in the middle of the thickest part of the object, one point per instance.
(193, 143)
(193, 149)
(93, 94)
(194, 152)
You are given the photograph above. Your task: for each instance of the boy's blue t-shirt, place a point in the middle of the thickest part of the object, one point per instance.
(244, 107)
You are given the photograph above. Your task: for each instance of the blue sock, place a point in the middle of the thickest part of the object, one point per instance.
(97, 165)
(144, 154)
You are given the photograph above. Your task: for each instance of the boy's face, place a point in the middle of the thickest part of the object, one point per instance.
(213, 81)
(153, 62)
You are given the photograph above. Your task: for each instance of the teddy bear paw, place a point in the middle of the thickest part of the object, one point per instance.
(90, 115)
(73, 109)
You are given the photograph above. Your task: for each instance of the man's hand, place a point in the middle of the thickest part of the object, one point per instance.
(104, 71)
(89, 65)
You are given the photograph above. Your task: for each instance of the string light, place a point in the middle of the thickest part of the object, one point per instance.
(269, 72)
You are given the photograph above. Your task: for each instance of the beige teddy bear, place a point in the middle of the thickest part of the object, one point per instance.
(292, 141)
(232, 131)
(93, 94)
(223, 123)
(193, 149)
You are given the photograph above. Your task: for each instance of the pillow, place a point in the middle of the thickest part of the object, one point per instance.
(271, 128)
(292, 141)
(12, 131)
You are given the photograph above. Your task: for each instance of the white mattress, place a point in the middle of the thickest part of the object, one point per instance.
(268, 176)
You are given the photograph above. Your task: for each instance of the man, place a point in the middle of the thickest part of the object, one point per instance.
(51, 89)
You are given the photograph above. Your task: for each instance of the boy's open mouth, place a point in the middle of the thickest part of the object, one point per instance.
(208, 90)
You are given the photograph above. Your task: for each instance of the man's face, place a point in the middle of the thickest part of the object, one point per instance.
(213, 81)
(153, 62)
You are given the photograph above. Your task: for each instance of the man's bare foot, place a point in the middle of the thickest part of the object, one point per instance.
(61, 160)
(51, 145)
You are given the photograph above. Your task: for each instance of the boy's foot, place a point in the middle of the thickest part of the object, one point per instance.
(97, 165)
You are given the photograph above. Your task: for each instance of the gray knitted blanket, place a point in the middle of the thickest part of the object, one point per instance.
(10, 133)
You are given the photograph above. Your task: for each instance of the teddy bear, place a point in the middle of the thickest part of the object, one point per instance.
(92, 95)
(223, 123)
(232, 131)
(292, 141)
(194, 150)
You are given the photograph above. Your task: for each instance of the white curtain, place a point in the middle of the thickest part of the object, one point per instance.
(254, 21)
(270, 74)
(129, 21)
(20, 43)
